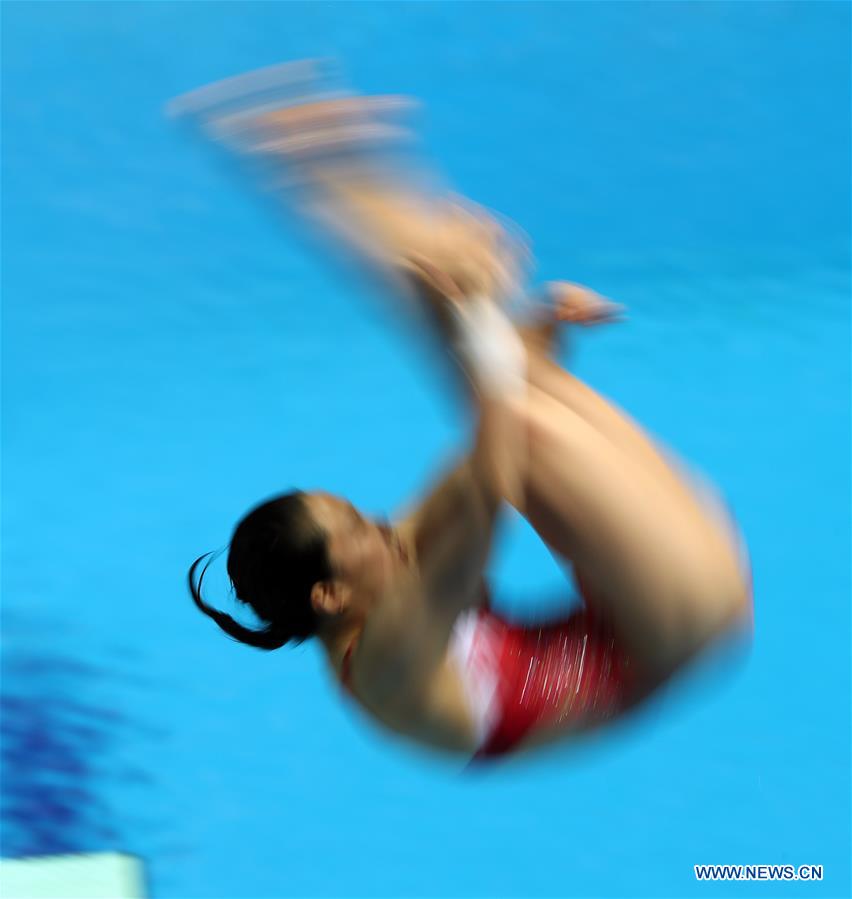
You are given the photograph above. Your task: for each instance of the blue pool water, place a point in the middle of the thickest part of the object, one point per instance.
(171, 355)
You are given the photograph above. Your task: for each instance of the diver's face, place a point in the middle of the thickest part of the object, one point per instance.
(364, 554)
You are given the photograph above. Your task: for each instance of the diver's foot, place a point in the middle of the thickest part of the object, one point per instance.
(298, 112)
(340, 125)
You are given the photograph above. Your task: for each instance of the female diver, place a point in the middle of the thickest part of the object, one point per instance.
(401, 609)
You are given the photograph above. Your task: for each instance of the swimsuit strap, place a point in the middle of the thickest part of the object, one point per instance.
(346, 663)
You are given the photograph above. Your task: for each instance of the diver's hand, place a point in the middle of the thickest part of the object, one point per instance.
(577, 305)
(460, 251)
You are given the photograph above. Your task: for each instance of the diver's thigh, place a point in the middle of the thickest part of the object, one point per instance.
(612, 422)
(660, 565)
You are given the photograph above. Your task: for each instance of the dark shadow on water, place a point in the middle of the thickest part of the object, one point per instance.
(58, 749)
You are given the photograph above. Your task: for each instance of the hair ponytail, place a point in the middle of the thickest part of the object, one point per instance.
(276, 555)
(268, 638)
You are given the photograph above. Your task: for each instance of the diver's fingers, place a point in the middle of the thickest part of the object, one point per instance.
(507, 240)
(432, 275)
(493, 259)
(579, 305)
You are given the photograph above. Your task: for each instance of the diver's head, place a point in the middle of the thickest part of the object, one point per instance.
(305, 563)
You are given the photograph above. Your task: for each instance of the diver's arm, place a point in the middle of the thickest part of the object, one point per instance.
(448, 536)
(451, 532)
(451, 529)
(492, 358)
(463, 498)
(406, 636)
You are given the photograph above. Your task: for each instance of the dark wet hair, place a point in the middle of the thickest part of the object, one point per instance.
(277, 554)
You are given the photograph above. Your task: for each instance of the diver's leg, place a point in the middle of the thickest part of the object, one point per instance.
(612, 423)
(664, 572)
(572, 304)
(347, 173)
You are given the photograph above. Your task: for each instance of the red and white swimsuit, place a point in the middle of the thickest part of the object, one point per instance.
(573, 670)
(521, 677)
(518, 678)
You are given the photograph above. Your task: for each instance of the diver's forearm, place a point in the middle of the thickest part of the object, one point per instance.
(499, 457)
(494, 357)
